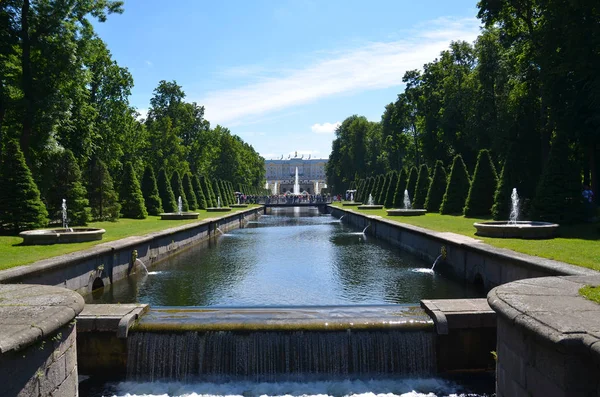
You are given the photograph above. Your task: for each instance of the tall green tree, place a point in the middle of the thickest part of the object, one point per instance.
(457, 188)
(400, 187)
(132, 200)
(422, 186)
(165, 192)
(437, 188)
(211, 199)
(411, 183)
(200, 195)
(189, 191)
(150, 192)
(67, 183)
(483, 187)
(103, 198)
(391, 191)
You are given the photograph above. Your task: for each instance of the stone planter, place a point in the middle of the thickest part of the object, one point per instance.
(404, 212)
(61, 236)
(521, 229)
(168, 216)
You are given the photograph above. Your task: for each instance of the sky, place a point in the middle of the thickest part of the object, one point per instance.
(283, 74)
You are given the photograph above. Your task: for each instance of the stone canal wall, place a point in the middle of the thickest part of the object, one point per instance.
(466, 257)
(106, 263)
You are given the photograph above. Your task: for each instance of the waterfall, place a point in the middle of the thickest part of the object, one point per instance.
(279, 355)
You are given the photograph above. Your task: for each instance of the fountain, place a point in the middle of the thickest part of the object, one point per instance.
(296, 184)
(61, 236)
(351, 202)
(238, 205)
(514, 228)
(370, 205)
(408, 210)
(179, 215)
(218, 208)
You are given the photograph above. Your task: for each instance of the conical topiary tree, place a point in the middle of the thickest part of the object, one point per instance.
(457, 188)
(360, 187)
(200, 197)
(178, 191)
(400, 187)
(132, 199)
(150, 192)
(558, 197)
(384, 187)
(190, 195)
(103, 198)
(377, 188)
(21, 207)
(369, 190)
(217, 190)
(224, 192)
(165, 192)
(391, 190)
(421, 188)
(211, 200)
(67, 184)
(411, 184)
(509, 179)
(483, 187)
(437, 188)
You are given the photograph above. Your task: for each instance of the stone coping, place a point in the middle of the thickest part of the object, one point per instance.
(548, 265)
(449, 314)
(29, 313)
(552, 309)
(116, 318)
(16, 273)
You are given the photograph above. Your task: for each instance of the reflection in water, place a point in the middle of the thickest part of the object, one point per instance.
(291, 257)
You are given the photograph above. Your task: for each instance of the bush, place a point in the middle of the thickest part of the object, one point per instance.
(218, 194)
(391, 190)
(150, 192)
(226, 202)
(211, 200)
(384, 187)
(360, 187)
(21, 207)
(368, 186)
(165, 192)
(558, 197)
(411, 184)
(178, 191)
(201, 198)
(485, 180)
(101, 192)
(189, 191)
(67, 184)
(400, 188)
(457, 188)
(509, 179)
(378, 187)
(437, 188)
(132, 200)
(423, 183)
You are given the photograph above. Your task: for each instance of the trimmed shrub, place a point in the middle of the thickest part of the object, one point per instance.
(391, 190)
(384, 187)
(67, 184)
(132, 200)
(400, 187)
(421, 188)
(437, 188)
(178, 191)
(218, 194)
(150, 192)
(190, 195)
(165, 192)
(21, 207)
(483, 186)
(360, 187)
(558, 197)
(369, 191)
(378, 187)
(457, 188)
(201, 198)
(211, 200)
(225, 193)
(509, 179)
(411, 184)
(103, 198)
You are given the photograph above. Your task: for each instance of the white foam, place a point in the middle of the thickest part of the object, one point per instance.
(424, 270)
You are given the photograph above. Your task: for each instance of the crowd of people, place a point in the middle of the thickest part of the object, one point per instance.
(288, 198)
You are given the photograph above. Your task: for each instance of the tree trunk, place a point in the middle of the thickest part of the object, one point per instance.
(27, 82)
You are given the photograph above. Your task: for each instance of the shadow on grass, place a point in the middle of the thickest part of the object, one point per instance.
(580, 231)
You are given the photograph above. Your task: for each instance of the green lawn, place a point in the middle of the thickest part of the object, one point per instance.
(12, 253)
(591, 293)
(576, 244)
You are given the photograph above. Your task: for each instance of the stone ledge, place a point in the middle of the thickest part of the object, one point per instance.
(110, 318)
(449, 314)
(28, 313)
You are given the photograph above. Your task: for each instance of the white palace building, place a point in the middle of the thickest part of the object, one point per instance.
(281, 174)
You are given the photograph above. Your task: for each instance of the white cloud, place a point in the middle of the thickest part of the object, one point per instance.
(142, 114)
(373, 66)
(149, 63)
(325, 128)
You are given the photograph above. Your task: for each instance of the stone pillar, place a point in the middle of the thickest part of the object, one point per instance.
(38, 353)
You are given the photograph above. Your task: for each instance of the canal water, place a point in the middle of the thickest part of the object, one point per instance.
(291, 257)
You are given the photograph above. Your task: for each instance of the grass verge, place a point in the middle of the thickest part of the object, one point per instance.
(591, 293)
(576, 244)
(12, 253)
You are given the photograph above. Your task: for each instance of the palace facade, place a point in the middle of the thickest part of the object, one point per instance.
(281, 174)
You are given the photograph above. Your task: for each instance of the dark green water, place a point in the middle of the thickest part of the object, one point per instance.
(292, 257)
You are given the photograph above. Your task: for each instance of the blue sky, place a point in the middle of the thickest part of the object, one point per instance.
(281, 74)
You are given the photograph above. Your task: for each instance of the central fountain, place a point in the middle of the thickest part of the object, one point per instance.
(61, 236)
(296, 184)
(218, 208)
(370, 205)
(407, 210)
(179, 215)
(514, 228)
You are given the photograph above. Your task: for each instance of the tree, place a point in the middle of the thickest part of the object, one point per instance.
(165, 192)
(400, 187)
(481, 194)
(411, 184)
(101, 192)
(201, 197)
(457, 188)
(178, 191)
(66, 183)
(377, 187)
(211, 200)
(21, 207)
(150, 192)
(421, 188)
(384, 188)
(437, 188)
(132, 200)
(189, 191)
(225, 193)
(391, 191)
(509, 180)
(217, 190)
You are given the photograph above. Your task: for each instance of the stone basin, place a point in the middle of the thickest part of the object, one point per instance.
(218, 209)
(178, 215)
(61, 236)
(239, 205)
(520, 229)
(406, 212)
(350, 203)
(370, 207)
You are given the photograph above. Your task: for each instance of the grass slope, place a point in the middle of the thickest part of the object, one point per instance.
(591, 293)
